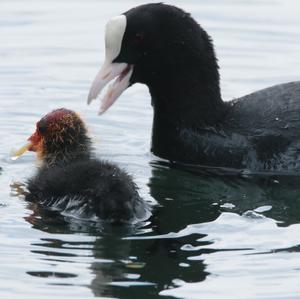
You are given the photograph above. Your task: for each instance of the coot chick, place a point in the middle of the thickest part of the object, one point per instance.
(69, 178)
(163, 47)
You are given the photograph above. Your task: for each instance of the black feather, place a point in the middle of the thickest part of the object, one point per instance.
(191, 123)
(74, 182)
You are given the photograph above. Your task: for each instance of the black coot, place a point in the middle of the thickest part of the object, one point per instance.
(163, 47)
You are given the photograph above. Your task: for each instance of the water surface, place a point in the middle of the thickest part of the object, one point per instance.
(209, 237)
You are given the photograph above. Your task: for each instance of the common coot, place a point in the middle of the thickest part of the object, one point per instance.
(69, 178)
(163, 47)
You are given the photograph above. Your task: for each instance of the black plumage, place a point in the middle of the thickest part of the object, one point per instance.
(70, 179)
(175, 58)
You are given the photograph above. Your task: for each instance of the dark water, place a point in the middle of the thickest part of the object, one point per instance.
(209, 236)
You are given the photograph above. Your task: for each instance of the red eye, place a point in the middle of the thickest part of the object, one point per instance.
(138, 38)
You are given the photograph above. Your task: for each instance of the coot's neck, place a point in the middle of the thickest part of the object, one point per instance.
(67, 153)
(185, 99)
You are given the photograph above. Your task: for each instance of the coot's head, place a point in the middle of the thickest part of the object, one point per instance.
(60, 136)
(161, 46)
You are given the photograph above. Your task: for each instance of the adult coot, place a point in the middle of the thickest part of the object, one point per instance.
(163, 47)
(69, 178)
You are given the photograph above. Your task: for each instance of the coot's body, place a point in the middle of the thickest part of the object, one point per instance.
(90, 189)
(260, 132)
(163, 47)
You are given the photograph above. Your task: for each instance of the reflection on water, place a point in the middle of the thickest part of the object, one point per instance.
(220, 236)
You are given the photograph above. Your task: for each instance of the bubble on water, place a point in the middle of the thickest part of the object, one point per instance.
(263, 209)
(228, 205)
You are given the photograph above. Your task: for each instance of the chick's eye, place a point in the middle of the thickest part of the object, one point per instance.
(138, 38)
(42, 128)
